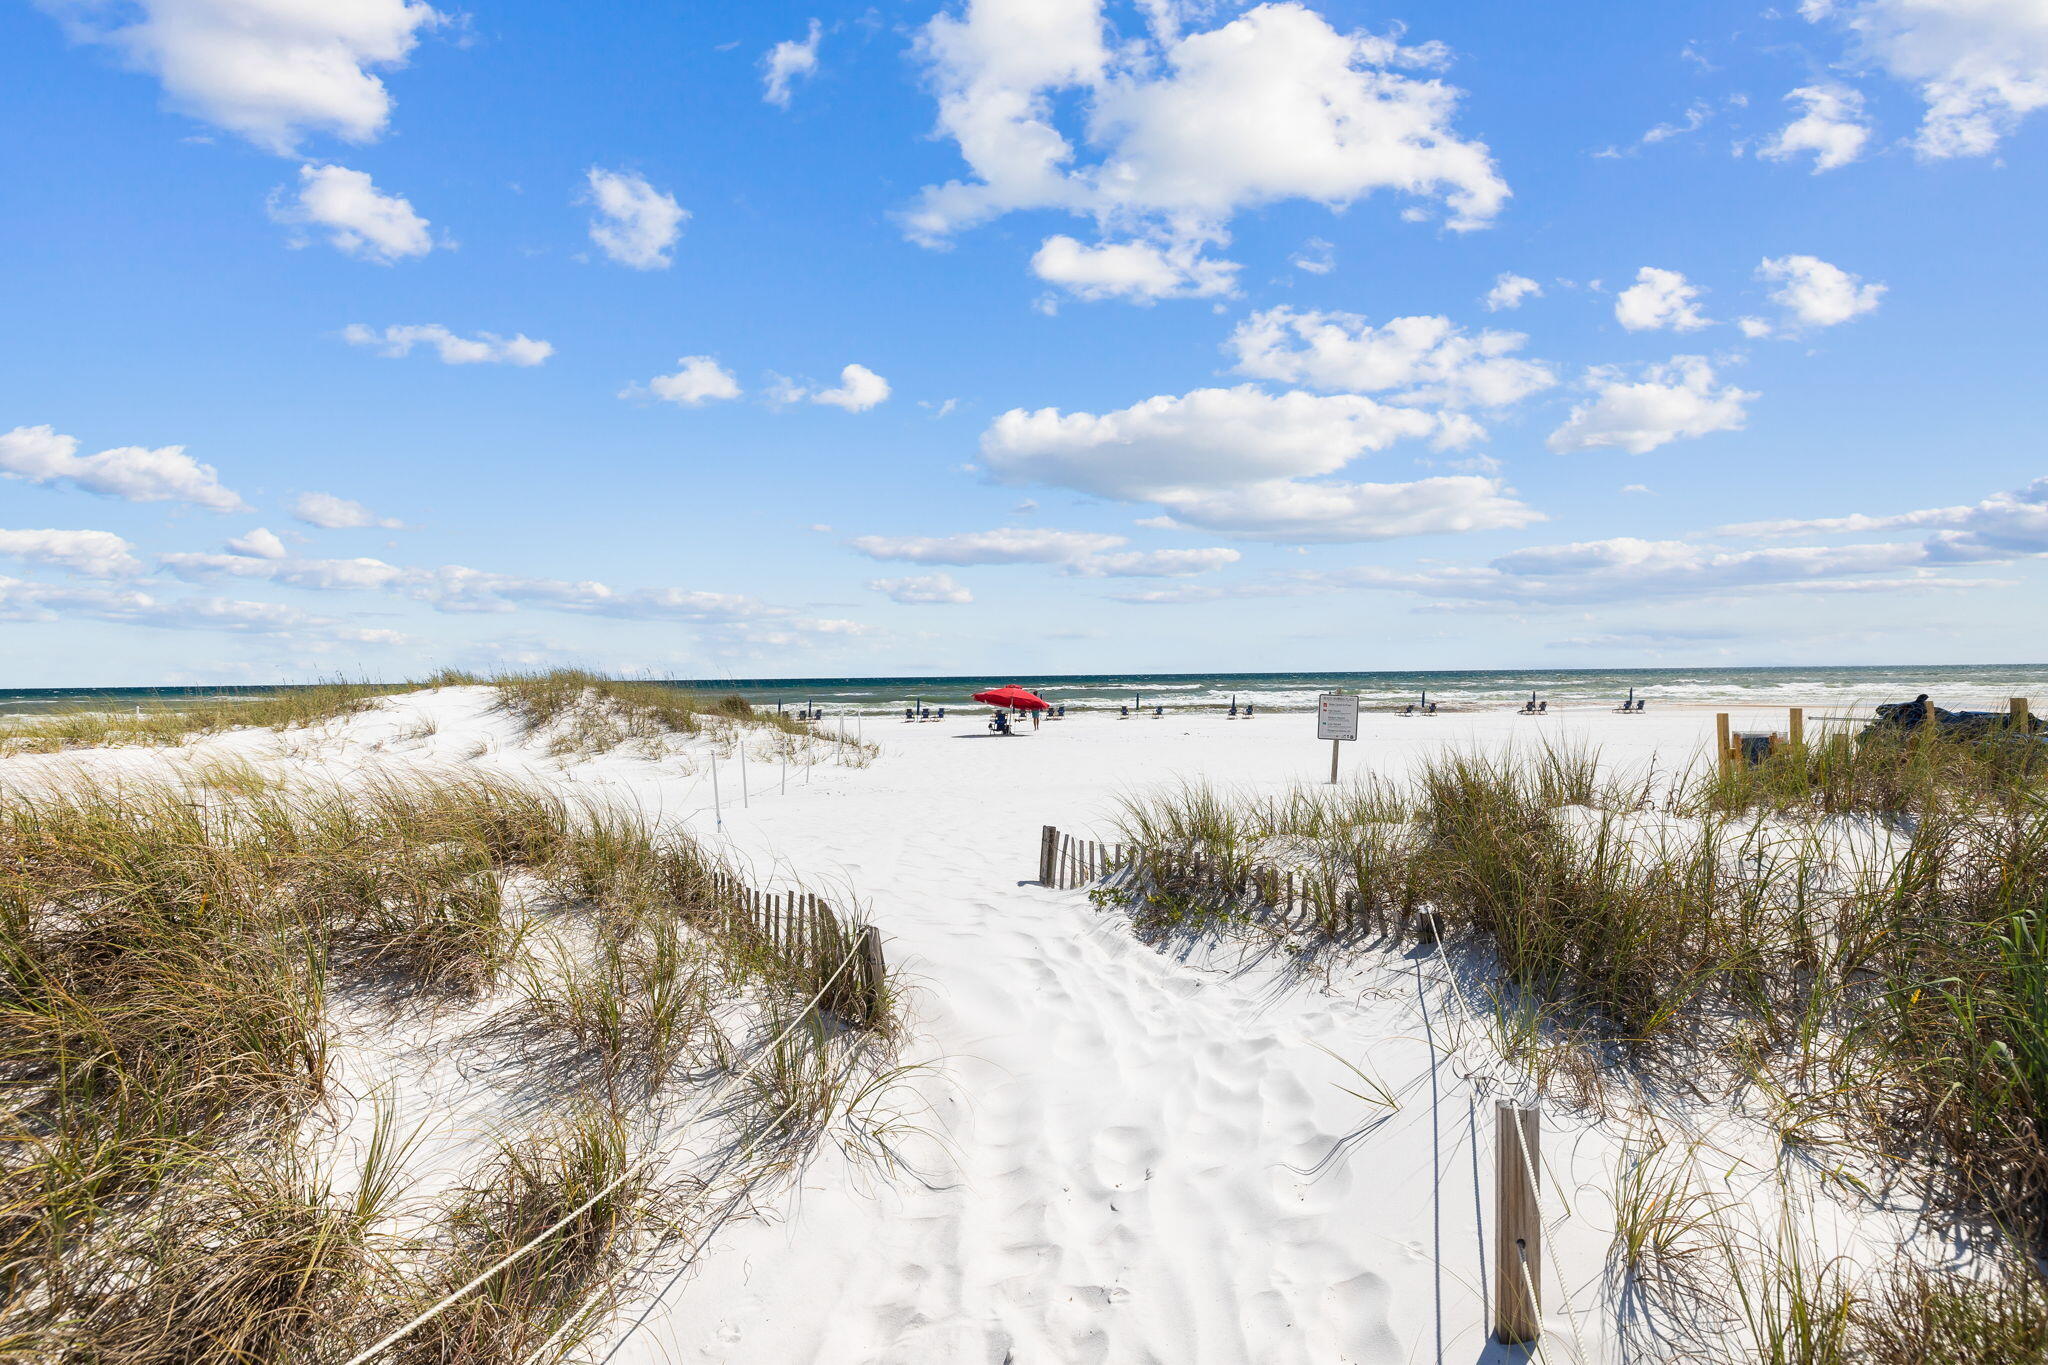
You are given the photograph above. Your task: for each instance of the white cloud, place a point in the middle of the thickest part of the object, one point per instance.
(1084, 554)
(635, 224)
(1347, 513)
(1155, 563)
(1659, 298)
(321, 575)
(261, 543)
(96, 554)
(1207, 438)
(1817, 294)
(1005, 546)
(1188, 128)
(1316, 256)
(1509, 290)
(1235, 461)
(698, 379)
(335, 514)
(1138, 271)
(485, 348)
(860, 388)
(785, 62)
(271, 71)
(357, 219)
(1980, 65)
(2006, 525)
(922, 590)
(1831, 128)
(130, 473)
(1418, 359)
(1670, 401)
(1755, 328)
(24, 601)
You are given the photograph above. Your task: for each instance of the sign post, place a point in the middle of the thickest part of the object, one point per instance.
(1336, 721)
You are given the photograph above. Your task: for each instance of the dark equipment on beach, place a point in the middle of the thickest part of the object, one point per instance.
(1905, 717)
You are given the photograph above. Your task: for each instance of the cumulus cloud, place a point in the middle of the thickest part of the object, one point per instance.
(1416, 359)
(1979, 65)
(635, 223)
(1816, 294)
(261, 543)
(1658, 299)
(485, 348)
(271, 71)
(130, 473)
(96, 554)
(1349, 513)
(922, 590)
(1509, 290)
(859, 389)
(1138, 271)
(1155, 563)
(1669, 402)
(1187, 129)
(331, 513)
(786, 62)
(699, 379)
(355, 216)
(1831, 127)
(1234, 461)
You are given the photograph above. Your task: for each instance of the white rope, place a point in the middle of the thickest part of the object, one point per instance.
(449, 1300)
(655, 1302)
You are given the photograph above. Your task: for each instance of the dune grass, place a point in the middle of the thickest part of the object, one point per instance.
(170, 954)
(173, 722)
(584, 713)
(1876, 986)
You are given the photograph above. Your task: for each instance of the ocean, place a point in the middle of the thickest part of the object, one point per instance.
(1955, 686)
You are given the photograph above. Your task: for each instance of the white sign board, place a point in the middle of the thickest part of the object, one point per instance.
(1336, 716)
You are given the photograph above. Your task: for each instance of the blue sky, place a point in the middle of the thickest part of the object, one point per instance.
(1019, 336)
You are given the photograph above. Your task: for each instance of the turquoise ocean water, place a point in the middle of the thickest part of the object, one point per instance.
(1957, 686)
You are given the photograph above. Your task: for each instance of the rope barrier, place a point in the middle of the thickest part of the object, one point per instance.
(449, 1300)
(1549, 1229)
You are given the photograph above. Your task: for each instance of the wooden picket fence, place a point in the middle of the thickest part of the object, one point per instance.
(810, 940)
(1327, 901)
(1065, 861)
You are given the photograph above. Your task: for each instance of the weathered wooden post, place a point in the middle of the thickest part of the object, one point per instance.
(2017, 706)
(1796, 731)
(873, 971)
(1723, 754)
(1048, 842)
(1518, 1225)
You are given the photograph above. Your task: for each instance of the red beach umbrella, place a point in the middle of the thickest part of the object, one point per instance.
(1013, 698)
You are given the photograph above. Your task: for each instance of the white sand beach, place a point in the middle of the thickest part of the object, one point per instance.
(1125, 1155)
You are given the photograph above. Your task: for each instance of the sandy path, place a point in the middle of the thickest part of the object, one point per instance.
(1151, 1160)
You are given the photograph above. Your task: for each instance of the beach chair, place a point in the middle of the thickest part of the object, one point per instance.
(1247, 710)
(1233, 712)
(1158, 712)
(941, 715)
(1123, 713)
(1429, 710)
(1409, 709)
(1543, 707)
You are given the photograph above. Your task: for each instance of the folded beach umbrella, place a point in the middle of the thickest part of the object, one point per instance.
(1014, 698)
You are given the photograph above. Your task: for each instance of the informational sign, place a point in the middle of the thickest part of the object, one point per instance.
(1336, 716)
